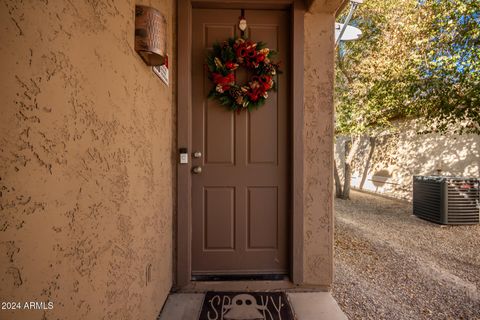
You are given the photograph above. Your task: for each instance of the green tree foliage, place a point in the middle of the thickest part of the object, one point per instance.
(415, 59)
(449, 89)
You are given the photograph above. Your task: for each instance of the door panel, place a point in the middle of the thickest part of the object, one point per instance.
(262, 218)
(262, 135)
(219, 212)
(240, 200)
(219, 130)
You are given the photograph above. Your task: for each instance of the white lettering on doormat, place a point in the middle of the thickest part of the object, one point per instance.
(244, 307)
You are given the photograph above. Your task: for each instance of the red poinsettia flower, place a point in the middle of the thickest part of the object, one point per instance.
(255, 94)
(266, 82)
(264, 78)
(230, 78)
(260, 57)
(242, 51)
(223, 80)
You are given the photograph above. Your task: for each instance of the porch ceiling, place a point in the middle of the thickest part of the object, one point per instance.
(325, 6)
(313, 6)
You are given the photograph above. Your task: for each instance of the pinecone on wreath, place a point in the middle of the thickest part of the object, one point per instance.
(237, 95)
(235, 92)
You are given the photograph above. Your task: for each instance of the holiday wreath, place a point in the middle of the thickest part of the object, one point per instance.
(228, 56)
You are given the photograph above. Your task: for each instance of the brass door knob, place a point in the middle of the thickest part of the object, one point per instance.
(197, 169)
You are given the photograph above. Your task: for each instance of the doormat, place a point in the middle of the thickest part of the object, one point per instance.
(246, 306)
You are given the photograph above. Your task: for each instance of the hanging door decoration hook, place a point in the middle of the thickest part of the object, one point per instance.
(242, 23)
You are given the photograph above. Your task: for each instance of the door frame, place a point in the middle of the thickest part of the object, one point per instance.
(183, 261)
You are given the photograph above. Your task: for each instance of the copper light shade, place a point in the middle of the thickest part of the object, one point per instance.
(150, 35)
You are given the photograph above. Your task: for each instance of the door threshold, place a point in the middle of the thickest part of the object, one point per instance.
(240, 277)
(245, 286)
(240, 285)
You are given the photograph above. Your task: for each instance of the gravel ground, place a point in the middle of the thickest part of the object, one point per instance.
(392, 265)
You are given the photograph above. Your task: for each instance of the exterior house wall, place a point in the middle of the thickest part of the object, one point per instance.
(85, 162)
(399, 155)
(318, 137)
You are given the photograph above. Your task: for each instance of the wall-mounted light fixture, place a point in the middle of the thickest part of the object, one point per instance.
(353, 33)
(150, 35)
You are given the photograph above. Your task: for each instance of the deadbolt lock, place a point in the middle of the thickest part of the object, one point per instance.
(197, 154)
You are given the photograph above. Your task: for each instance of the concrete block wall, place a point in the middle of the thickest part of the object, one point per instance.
(401, 153)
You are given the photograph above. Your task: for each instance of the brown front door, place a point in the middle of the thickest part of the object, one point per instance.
(240, 200)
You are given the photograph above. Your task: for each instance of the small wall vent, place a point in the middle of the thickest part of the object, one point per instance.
(446, 200)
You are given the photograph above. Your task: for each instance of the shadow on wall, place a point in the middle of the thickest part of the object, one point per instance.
(380, 178)
(387, 163)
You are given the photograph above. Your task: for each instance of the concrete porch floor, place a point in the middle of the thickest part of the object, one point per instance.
(305, 305)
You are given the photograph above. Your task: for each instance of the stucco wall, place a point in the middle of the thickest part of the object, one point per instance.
(318, 135)
(401, 153)
(85, 162)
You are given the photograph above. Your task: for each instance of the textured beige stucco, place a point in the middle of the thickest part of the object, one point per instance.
(85, 162)
(324, 6)
(318, 135)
